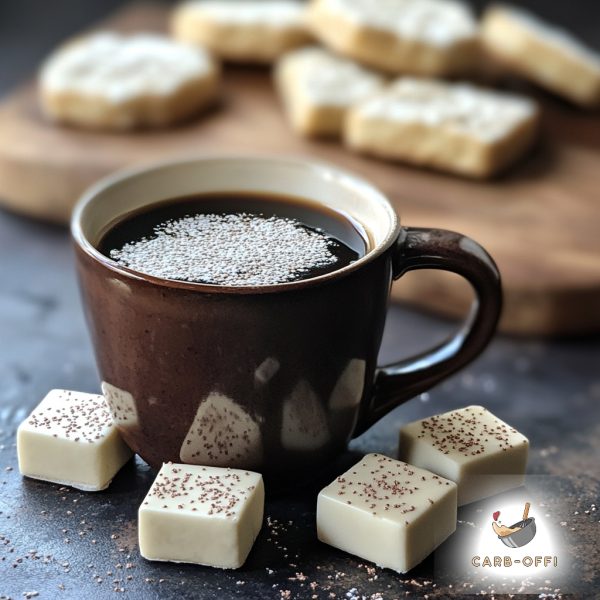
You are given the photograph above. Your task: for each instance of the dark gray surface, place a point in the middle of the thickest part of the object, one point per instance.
(52, 538)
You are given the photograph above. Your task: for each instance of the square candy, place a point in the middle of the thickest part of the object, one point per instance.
(387, 511)
(71, 439)
(470, 446)
(203, 515)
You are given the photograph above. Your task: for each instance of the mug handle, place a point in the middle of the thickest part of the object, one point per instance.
(416, 249)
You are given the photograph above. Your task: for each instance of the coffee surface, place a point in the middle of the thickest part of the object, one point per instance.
(233, 240)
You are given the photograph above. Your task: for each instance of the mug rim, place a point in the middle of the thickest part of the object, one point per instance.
(319, 168)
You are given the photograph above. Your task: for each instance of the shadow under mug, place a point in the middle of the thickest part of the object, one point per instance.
(273, 378)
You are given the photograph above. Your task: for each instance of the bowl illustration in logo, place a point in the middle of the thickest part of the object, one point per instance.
(521, 537)
(520, 533)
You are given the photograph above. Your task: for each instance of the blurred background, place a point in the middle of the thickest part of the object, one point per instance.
(29, 29)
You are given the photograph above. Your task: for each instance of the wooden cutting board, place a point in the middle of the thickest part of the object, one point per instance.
(541, 221)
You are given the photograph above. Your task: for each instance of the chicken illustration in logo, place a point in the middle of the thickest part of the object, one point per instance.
(517, 535)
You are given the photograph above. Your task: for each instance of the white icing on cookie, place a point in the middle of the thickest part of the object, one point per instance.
(436, 22)
(462, 107)
(550, 34)
(280, 13)
(329, 79)
(119, 68)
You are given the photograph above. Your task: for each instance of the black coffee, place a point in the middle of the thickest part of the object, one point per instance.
(235, 240)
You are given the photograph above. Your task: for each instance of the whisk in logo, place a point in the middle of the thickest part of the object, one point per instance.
(522, 533)
(519, 533)
(510, 543)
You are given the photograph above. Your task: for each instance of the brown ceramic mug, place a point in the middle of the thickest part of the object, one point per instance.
(274, 378)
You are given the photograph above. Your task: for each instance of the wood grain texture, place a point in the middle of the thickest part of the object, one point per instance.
(540, 221)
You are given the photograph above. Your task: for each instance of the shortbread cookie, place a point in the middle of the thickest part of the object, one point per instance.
(246, 31)
(421, 37)
(111, 81)
(453, 127)
(318, 87)
(547, 55)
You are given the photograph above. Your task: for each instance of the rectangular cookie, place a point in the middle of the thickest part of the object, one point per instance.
(245, 31)
(317, 88)
(544, 54)
(459, 128)
(119, 82)
(419, 37)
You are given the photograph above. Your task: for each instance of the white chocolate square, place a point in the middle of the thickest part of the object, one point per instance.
(71, 439)
(387, 511)
(470, 446)
(455, 127)
(318, 87)
(203, 515)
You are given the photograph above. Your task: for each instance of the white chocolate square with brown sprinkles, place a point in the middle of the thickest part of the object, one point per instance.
(387, 511)
(203, 515)
(470, 446)
(70, 438)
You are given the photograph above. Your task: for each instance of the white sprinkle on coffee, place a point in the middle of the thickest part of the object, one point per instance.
(230, 249)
